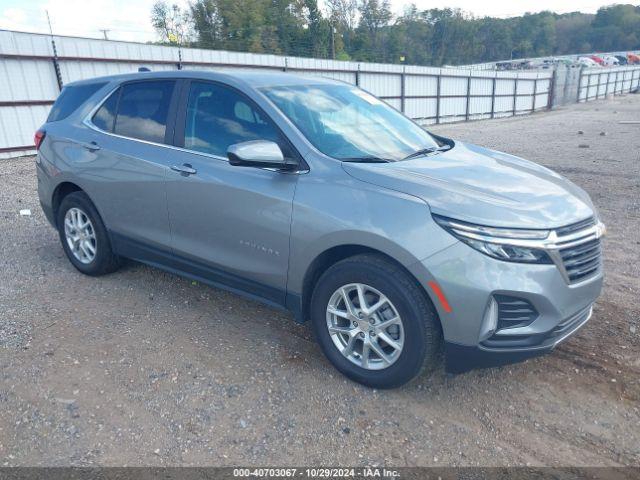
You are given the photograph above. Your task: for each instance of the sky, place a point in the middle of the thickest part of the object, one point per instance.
(129, 19)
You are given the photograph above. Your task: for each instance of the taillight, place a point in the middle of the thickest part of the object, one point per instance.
(38, 138)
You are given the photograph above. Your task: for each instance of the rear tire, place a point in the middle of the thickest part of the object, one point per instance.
(404, 316)
(84, 237)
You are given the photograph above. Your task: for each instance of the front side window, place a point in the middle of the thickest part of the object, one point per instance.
(143, 110)
(218, 117)
(347, 123)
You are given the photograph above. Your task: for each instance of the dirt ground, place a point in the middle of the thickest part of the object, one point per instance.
(144, 368)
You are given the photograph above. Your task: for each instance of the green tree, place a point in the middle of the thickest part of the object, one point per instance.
(170, 22)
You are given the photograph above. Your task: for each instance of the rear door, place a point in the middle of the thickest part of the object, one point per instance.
(130, 161)
(230, 224)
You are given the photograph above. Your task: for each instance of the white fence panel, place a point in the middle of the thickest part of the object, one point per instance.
(479, 105)
(24, 80)
(420, 85)
(505, 86)
(381, 84)
(453, 86)
(17, 127)
(481, 86)
(421, 108)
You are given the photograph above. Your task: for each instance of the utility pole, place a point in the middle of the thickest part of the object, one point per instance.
(104, 32)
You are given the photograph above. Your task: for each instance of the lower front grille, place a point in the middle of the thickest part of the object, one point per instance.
(514, 312)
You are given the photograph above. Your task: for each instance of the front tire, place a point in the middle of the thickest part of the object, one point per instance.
(84, 237)
(374, 322)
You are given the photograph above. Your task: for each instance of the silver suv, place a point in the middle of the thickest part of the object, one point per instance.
(315, 196)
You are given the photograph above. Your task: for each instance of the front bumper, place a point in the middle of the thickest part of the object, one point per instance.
(462, 358)
(470, 280)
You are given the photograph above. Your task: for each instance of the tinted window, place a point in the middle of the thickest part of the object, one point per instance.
(70, 99)
(105, 117)
(218, 117)
(143, 109)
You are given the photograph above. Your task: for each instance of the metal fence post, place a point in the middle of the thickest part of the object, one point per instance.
(551, 91)
(493, 97)
(606, 90)
(402, 88)
(515, 95)
(466, 114)
(535, 89)
(438, 89)
(580, 85)
(358, 76)
(599, 85)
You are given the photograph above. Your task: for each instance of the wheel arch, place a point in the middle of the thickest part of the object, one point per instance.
(62, 190)
(329, 257)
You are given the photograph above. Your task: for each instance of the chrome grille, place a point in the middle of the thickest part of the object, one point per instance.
(579, 250)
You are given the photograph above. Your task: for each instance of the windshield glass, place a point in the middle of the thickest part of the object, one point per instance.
(347, 123)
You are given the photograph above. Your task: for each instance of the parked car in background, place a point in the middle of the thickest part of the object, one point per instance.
(610, 60)
(597, 59)
(633, 59)
(588, 62)
(313, 195)
(622, 60)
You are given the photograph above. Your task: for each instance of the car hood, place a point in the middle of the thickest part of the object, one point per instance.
(483, 186)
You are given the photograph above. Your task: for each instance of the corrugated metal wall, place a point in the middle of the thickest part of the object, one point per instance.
(430, 95)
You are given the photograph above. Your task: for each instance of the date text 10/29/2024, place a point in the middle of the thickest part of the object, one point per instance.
(366, 472)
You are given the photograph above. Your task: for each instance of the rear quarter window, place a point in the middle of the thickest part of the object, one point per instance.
(70, 99)
(105, 117)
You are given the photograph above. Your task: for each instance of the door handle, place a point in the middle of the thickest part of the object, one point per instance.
(185, 169)
(91, 146)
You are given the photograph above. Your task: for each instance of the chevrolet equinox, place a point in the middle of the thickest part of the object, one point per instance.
(315, 196)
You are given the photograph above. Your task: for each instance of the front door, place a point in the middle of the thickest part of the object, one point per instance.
(229, 224)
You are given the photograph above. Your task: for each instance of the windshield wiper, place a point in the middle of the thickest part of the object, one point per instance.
(427, 151)
(366, 160)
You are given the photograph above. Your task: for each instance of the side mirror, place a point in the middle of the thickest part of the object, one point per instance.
(258, 153)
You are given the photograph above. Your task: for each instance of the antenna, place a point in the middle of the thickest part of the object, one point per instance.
(104, 32)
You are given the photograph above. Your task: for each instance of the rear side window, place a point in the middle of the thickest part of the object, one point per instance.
(70, 99)
(143, 109)
(105, 117)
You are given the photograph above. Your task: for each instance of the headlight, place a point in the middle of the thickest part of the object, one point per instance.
(508, 244)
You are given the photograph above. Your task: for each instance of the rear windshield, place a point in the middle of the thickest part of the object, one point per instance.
(70, 99)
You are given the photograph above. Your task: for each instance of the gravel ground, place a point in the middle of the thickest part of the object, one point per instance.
(144, 368)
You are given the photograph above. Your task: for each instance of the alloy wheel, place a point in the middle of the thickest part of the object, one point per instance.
(365, 326)
(80, 235)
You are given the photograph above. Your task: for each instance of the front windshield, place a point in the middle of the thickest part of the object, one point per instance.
(347, 123)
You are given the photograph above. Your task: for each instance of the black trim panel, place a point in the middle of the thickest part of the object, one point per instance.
(166, 260)
(463, 358)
